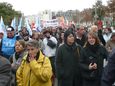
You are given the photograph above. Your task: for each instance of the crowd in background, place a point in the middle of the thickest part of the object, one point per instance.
(75, 56)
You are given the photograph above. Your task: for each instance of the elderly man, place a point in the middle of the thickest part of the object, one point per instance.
(8, 43)
(81, 36)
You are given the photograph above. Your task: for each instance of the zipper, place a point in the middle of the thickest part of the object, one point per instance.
(29, 78)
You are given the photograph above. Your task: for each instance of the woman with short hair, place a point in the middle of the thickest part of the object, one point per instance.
(35, 69)
(67, 61)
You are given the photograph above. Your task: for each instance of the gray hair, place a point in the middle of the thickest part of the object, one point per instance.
(33, 43)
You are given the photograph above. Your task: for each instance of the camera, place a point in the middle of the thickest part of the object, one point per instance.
(93, 73)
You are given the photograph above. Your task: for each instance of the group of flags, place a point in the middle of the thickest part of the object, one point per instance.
(2, 26)
(37, 24)
(19, 26)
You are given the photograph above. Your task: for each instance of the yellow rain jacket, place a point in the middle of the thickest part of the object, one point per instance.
(35, 73)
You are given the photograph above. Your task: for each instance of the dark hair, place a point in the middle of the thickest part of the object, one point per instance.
(67, 33)
(47, 31)
(60, 39)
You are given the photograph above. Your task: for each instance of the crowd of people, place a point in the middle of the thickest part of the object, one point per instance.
(75, 56)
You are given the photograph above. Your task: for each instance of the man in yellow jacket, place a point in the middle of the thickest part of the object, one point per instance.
(35, 69)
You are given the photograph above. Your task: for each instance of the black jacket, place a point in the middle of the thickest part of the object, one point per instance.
(82, 40)
(93, 57)
(5, 72)
(67, 65)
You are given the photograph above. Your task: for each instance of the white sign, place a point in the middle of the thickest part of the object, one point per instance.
(50, 23)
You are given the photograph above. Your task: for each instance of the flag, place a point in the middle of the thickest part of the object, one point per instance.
(2, 26)
(13, 23)
(20, 24)
(1, 29)
(28, 27)
(38, 24)
(2, 23)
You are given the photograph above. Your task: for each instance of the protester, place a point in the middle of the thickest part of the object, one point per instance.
(16, 59)
(108, 77)
(36, 36)
(24, 34)
(110, 45)
(50, 44)
(1, 35)
(5, 72)
(81, 35)
(67, 61)
(92, 60)
(61, 39)
(41, 36)
(98, 31)
(107, 34)
(8, 43)
(35, 69)
(54, 32)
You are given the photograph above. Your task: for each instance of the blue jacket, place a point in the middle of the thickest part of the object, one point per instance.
(7, 47)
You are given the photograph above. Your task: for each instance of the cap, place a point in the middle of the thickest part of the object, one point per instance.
(10, 29)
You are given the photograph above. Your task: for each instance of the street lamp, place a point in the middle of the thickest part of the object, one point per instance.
(95, 16)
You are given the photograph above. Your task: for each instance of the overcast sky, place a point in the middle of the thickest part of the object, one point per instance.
(29, 7)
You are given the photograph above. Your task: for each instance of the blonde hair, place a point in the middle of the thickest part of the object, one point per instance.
(95, 36)
(94, 28)
(22, 42)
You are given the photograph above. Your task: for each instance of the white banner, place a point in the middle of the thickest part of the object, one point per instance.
(50, 23)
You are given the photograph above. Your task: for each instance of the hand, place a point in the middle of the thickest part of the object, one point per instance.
(31, 57)
(92, 66)
(109, 49)
(12, 64)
